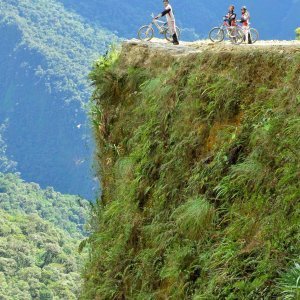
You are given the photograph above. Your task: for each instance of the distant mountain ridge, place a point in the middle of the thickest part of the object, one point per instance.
(45, 58)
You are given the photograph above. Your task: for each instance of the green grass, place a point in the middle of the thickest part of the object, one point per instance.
(200, 173)
(290, 283)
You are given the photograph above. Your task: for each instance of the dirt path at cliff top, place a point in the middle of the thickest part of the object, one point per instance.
(186, 48)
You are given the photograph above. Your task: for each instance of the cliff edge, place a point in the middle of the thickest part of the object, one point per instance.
(199, 162)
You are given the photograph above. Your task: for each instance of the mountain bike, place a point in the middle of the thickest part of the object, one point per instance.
(146, 33)
(253, 34)
(234, 33)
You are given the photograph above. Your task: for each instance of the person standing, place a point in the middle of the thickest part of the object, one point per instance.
(231, 16)
(245, 20)
(168, 12)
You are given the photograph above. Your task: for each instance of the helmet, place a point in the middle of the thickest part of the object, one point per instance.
(244, 7)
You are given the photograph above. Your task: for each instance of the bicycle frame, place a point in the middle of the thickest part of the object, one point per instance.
(233, 33)
(161, 28)
(250, 31)
(146, 32)
(242, 27)
(227, 28)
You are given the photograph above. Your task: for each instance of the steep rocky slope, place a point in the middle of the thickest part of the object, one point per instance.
(199, 162)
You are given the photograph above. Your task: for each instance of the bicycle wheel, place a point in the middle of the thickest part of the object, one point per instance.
(237, 35)
(253, 35)
(216, 35)
(169, 36)
(146, 33)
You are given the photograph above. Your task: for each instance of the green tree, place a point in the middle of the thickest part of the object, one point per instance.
(44, 88)
(40, 232)
(298, 33)
(65, 211)
(6, 165)
(30, 259)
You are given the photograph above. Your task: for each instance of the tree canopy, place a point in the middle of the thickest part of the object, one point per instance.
(40, 232)
(66, 212)
(47, 52)
(66, 42)
(37, 260)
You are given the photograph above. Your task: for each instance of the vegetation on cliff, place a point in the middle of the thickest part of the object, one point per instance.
(200, 168)
(40, 231)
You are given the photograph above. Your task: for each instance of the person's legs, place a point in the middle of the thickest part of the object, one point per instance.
(247, 34)
(172, 29)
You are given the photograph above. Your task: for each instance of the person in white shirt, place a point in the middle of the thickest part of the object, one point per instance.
(168, 12)
(245, 20)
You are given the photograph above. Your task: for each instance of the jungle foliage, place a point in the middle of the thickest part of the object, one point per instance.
(200, 169)
(46, 54)
(66, 212)
(66, 42)
(6, 164)
(37, 261)
(40, 231)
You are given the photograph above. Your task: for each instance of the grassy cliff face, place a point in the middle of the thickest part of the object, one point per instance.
(200, 169)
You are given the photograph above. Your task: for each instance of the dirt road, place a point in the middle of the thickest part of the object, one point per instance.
(203, 45)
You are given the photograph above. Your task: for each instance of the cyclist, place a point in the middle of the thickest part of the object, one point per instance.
(245, 20)
(230, 18)
(168, 12)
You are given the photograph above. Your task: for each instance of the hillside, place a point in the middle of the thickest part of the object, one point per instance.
(37, 261)
(64, 211)
(6, 164)
(40, 232)
(46, 53)
(199, 162)
(274, 20)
